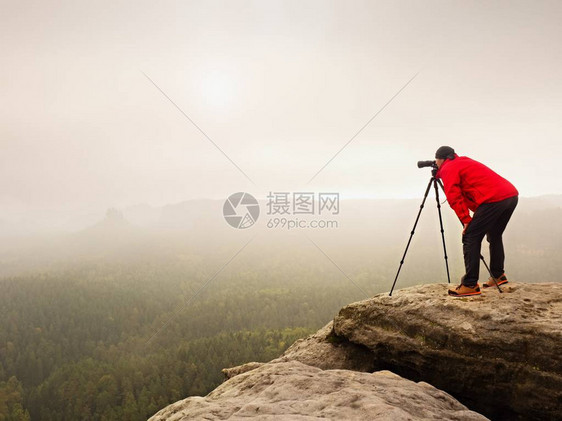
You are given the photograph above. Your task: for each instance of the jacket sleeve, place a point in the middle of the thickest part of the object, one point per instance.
(452, 185)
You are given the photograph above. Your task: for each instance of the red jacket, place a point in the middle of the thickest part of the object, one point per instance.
(468, 184)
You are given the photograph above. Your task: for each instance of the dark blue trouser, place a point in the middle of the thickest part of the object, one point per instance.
(490, 220)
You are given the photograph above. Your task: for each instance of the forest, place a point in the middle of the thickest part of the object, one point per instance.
(79, 344)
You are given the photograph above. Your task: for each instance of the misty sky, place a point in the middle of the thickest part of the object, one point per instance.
(280, 87)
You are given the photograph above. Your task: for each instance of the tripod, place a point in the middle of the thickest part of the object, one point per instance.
(435, 181)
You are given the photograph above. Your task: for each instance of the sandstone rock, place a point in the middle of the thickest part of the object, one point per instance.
(499, 354)
(323, 350)
(234, 371)
(327, 351)
(295, 391)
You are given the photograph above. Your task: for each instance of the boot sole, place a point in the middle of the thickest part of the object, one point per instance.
(469, 294)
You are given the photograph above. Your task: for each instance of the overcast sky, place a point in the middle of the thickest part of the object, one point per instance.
(279, 87)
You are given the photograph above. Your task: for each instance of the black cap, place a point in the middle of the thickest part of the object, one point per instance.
(445, 152)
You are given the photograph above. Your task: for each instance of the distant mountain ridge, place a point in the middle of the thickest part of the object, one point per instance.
(188, 213)
(362, 226)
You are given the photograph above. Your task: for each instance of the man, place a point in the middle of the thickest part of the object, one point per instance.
(470, 185)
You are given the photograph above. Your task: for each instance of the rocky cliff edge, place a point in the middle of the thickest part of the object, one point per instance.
(497, 354)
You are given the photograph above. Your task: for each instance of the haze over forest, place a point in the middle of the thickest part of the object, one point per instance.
(121, 318)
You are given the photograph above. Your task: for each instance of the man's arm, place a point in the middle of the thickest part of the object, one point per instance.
(452, 185)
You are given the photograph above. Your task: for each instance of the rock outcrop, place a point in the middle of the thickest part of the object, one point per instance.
(295, 391)
(498, 354)
(324, 350)
(328, 351)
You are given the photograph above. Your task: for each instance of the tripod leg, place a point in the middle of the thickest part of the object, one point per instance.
(481, 257)
(490, 272)
(442, 230)
(411, 235)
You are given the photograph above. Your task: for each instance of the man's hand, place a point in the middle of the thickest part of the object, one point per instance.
(464, 229)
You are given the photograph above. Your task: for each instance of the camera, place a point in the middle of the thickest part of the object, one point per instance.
(423, 164)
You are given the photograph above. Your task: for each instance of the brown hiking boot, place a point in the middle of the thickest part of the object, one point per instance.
(464, 291)
(500, 281)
